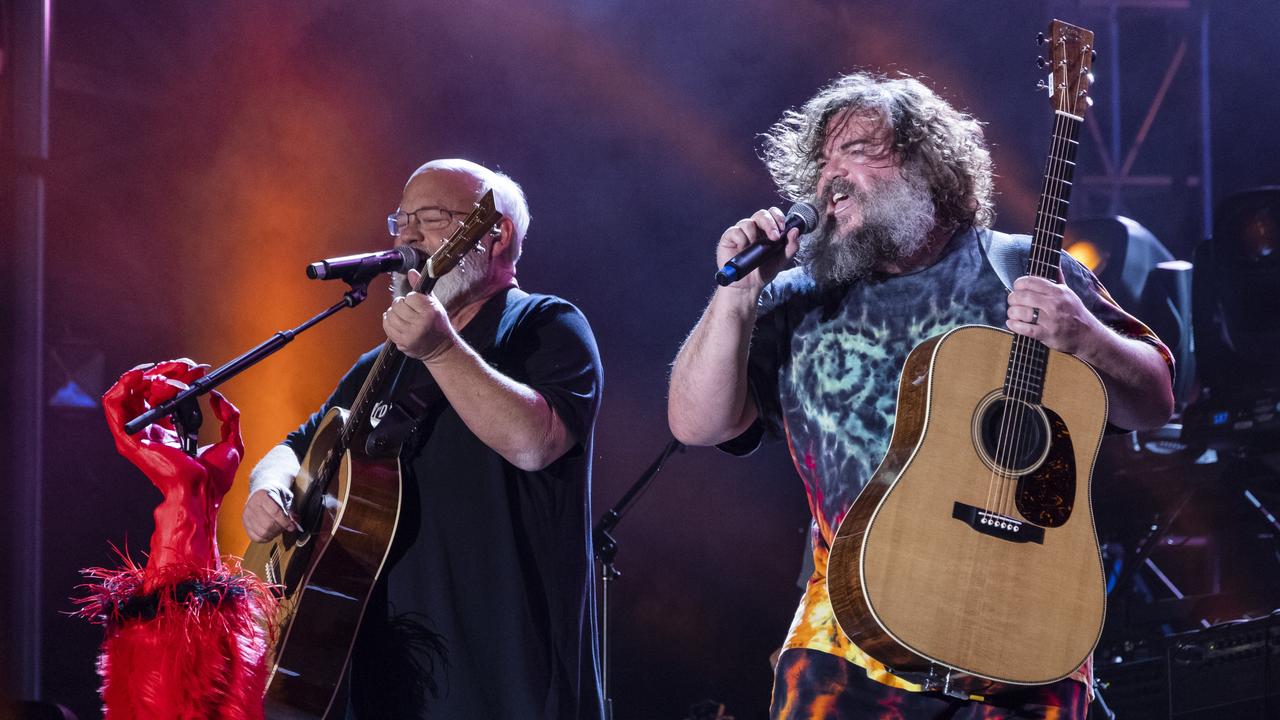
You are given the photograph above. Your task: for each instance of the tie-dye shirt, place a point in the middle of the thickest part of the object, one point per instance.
(824, 368)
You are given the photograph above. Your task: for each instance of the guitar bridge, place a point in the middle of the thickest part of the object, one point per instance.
(997, 525)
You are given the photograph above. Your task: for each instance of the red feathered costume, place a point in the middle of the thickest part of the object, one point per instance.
(186, 635)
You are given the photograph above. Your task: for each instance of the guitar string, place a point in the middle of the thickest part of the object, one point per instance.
(996, 485)
(359, 415)
(1000, 458)
(1044, 253)
(1031, 358)
(1067, 132)
(357, 418)
(1015, 381)
(1014, 374)
(467, 233)
(1028, 356)
(1020, 380)
(1008, 443)
(1017, 377)
(1019, 371)
(1029, 351)
(1015, 370)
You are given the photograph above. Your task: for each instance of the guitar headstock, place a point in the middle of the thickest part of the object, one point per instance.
(1070, 67)
(481, 221)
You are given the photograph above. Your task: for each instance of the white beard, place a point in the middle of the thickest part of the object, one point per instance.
(454, 287)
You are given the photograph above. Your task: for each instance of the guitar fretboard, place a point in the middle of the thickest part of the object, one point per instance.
(1024, 378)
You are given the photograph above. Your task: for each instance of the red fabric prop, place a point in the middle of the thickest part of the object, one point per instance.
(186, 634)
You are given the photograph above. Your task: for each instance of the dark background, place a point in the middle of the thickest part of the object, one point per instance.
(204, 152)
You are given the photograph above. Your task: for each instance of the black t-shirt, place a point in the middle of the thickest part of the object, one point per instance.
(487, 607)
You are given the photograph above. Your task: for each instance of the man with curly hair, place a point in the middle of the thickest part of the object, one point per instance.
(812, 354)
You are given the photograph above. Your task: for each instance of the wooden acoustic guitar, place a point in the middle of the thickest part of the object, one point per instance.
(971, 553)
(347, 499)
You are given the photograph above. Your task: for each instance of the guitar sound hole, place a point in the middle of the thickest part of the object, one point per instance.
(1017, 443)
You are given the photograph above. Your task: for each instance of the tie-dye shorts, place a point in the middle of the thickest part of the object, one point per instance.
(813, 685)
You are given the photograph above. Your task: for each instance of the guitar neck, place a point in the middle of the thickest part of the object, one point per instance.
(385, 368)
(1070, 61)
(1051, 216)
(482, 219)
(1024, 378)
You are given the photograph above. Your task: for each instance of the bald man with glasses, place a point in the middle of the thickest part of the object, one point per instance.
(486, 608)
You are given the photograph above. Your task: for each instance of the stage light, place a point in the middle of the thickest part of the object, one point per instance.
(1120, 251)
(1237, 295)
(1087, 253)
(1142, 276)
(1165, 306)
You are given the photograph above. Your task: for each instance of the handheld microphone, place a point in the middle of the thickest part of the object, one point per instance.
(366, 265)
(802, 215)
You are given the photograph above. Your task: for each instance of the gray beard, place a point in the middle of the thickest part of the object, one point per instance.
(897, 217)
(453, 286)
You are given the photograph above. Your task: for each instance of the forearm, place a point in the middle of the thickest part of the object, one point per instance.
(1137, 378)
(275, 471)
(183, 534)
(511, 418)
(707, 401)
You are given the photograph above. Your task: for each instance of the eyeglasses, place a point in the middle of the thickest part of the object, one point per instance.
(428, 218)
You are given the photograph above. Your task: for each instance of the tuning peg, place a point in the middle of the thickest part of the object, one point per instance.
(1040, 39)
(1093, 54)
(1042, 63)
(1042, 85)
(1088, 101)
(1089, 77)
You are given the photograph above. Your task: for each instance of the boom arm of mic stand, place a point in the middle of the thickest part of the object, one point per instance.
(606, 546)
(189, 422)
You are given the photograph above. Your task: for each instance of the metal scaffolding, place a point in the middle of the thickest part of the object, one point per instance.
(1119, 183)
(32, 44)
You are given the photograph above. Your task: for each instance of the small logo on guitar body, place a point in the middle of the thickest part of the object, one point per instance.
(379, 410)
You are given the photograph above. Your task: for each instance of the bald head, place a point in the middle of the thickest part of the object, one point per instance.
(507, 195)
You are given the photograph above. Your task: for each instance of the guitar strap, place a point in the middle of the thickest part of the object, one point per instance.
(413, 400)
(1007, 254)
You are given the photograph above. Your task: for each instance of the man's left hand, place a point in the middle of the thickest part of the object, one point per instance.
(1051, 313)
(419, 325)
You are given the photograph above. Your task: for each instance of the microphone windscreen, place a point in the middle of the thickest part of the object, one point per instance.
(413, 259)
(808, 214)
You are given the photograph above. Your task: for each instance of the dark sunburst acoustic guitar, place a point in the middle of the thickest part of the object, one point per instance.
(347, 499)
(972, 549)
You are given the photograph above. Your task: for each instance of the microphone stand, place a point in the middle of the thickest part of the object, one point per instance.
(606, 549)
(184, 408)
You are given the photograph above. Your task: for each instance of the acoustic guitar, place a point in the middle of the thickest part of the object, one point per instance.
(347, 499)
(971, 553)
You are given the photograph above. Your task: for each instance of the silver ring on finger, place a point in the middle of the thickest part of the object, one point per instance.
(1035, 316)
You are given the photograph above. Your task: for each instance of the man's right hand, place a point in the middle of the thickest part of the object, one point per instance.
(265, 516)
(763, 224)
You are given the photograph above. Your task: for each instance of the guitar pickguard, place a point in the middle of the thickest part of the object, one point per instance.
(1046, 494)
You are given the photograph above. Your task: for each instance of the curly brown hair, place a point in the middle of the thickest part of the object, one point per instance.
(945, 145)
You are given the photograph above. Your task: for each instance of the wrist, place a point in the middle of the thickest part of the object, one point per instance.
(270, 482)
(737, 304)
(1096, 342)
(448, 349)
